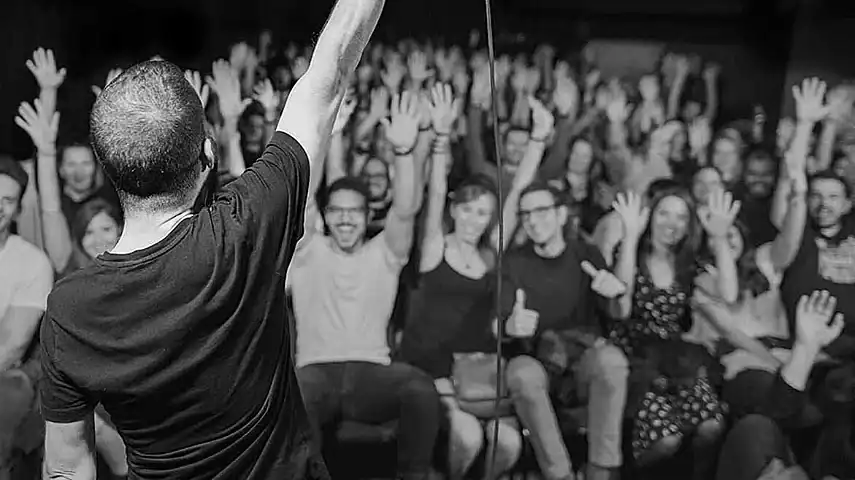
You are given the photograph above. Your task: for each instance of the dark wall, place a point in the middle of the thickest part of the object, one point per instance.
(91, 36)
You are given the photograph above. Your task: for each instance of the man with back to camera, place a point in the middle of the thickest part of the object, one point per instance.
(181, 331)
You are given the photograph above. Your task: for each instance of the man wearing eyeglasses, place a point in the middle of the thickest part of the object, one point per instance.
(344, 288)
(556, 294)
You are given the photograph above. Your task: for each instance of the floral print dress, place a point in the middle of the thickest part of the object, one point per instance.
(664, 410)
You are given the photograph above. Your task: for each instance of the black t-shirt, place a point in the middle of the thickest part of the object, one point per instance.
(556, 288)
(825, 264)
(70, 207)
(187, 343)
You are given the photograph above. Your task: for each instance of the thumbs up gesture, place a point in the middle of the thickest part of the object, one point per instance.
(522, 322)
(604, 282)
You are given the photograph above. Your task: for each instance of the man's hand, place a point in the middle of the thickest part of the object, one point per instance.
(402, 128)
(265, 95)
(603, 282)
(522, 322)
(348, 106)
(815, 327)
(444, 108)
(196, 81)
(43, 67)
(810, 101)
(42, 126)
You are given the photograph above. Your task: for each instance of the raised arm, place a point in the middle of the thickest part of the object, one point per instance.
(634, 216)
(314, 101)
(717, 217)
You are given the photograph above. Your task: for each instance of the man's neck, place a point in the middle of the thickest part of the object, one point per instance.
(552, 248)
(142, 231)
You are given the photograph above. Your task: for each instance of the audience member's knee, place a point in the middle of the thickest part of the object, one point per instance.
(663, 448)
(508, 448)
(757, 427)
(467, 439)
(525, 374)
(612, 360)
(709, 432)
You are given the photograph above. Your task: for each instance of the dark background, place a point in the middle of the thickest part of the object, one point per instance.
(762, 45)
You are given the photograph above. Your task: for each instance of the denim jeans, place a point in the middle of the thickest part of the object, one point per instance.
(752, 443)
(602, 373)
(375, 394)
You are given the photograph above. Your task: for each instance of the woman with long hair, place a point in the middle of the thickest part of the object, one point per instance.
(658, 263)
(451, 312)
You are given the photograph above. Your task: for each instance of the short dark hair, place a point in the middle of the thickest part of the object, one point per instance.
(541, 186)
(352, 184)
(831, 175)
(147, 130)
(11, 168)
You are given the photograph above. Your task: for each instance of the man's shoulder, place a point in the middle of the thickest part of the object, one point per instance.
(28, 255)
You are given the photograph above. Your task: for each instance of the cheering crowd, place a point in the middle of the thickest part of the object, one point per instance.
(671, 285)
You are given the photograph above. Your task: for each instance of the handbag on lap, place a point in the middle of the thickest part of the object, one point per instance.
(476, 385)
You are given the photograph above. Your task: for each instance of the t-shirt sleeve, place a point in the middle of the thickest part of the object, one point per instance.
(61, 400)
(269, 199)
(36, 284)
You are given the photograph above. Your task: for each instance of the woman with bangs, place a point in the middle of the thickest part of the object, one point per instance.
(451, 311)
(657, 261)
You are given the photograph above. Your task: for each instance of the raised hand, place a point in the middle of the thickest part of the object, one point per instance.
(543, 122)
(196, 81)
(43, 67)
(648, 87)
(810, 103)
(225, 83)
(379, 106)
(402, 128)
(503, 72)
(815, 327)
(444, 108)
(565, 97)
(42, 126)
(522, 322)
(111, 75)
(481, 95)
(700, 135)
(618, 110)
(238, 56)
(711, 72)
(633, 214)
(365, 73)
(603, 282)
(265, 95)
(718, 215)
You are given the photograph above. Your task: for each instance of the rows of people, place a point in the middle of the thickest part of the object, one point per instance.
(687, 278)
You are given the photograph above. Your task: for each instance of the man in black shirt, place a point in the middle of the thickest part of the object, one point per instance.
(558, 287)
(181, 331)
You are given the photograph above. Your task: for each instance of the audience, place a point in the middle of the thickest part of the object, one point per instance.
(683, 282)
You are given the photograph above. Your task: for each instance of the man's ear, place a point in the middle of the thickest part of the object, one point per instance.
(209, 157)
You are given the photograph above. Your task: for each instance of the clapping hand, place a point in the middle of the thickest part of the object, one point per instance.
(522, 322)
(633, 214)
(815, 327)
(402, 128)
(718, 215)
(603, 282)
(42, 126)
(43, 67)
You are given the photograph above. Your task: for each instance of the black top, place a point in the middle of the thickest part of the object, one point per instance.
(70, 207)
(187, 344)
(450, 314)
(825, 264)
(556, 288)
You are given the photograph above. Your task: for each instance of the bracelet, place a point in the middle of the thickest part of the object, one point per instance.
(404, 153)
(539, 140)
(424, 129)
(46, 154)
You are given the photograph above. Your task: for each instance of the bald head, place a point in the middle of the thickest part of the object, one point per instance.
(147, 129)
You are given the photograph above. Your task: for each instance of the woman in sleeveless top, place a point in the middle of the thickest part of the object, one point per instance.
(657, 260)
(451, 312)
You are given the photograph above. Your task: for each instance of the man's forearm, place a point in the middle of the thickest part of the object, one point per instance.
(341, 43)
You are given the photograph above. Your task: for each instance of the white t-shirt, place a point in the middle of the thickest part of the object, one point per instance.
(343, 302)
(26, 276)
